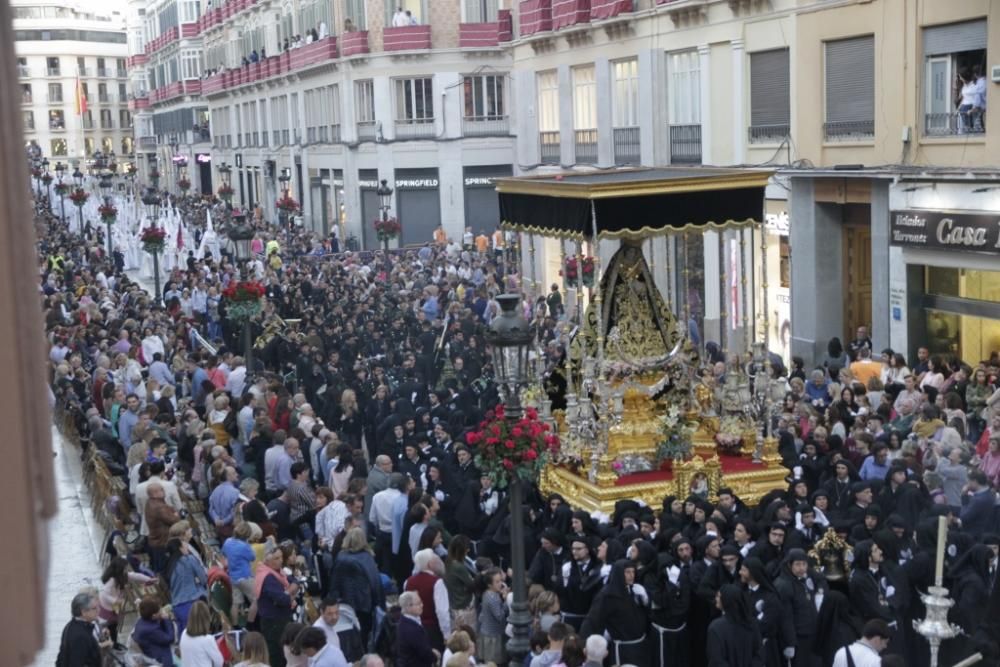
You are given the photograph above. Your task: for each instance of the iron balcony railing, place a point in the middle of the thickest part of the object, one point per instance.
(585, 144)
(414, 128)
(549, 147)
(849, 130)
(767, 134)
(626, 140)
(485, 126)
(947, 124)
(685, 144)
(366, 130)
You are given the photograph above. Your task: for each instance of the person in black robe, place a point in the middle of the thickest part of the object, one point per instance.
(776, 629)
(621, 611)
(837, 626)
(670, 594)
(869, 587)
(798, 587)
(734, 639)
(580, 582)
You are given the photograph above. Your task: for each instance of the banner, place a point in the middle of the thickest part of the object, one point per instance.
(945, 230)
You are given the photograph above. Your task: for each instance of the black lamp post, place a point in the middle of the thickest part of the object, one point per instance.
(151, 199)
(60, 170)
(78, 181)
(282, 214)
(36, 168)
(511, 338)
(384, 193)
(241, 235)
(47, 179)
(106, 185)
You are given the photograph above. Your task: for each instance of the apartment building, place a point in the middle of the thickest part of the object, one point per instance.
(854, 103)
(71, 63)
(337, 96)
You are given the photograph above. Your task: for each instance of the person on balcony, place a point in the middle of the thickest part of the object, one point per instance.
(399, 19)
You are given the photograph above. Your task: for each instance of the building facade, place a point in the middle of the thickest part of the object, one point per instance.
(72, 71)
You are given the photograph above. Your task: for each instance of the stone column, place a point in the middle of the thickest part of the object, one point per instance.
(705, 101)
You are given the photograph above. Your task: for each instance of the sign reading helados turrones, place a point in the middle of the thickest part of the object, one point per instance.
(946, 230)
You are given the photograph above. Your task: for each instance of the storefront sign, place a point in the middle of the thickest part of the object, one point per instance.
(973, 232)
(368, 185)
(475, 181)
(417, 183)
(777, 223)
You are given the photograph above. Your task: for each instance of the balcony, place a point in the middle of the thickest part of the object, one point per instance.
(147, 142)
(536, 16)
(548, 147)
(105, 98)
(24, 72)
(189, 30)
(104, 73)
(949, 124)
(84, 71)
(366, 130)
(213, 84)
(567, 13)
(415, 128)
(138, 103)
(851, 130)
(27, 98)
(479, 35)
(53, 71)
(585, 142)
(54, 99)
(626, 140)
(354, 43)
(107, 125)
(138, 60)
(685, 144)
(192, 87)
(607, 9)
(485, 126)
(169, 37)
(313, 54)
(407, 38)
(121, 73)
(768, 134)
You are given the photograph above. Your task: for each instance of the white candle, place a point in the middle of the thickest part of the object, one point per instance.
(942, 540)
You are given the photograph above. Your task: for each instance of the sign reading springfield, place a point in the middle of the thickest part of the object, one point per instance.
(943, 230)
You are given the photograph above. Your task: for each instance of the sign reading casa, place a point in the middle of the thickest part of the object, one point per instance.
(945, 230)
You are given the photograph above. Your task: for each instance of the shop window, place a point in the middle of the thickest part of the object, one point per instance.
(59, 148)
(954, 80)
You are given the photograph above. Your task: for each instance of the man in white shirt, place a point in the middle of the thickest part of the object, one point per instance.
(236, 381)
(399, 19)
(865, 652)
(329, 613)
(380, 517)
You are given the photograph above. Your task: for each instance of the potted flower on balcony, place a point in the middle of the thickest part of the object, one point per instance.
(107, 212)
(505, 450)
(79, 197)
(184, 185)
(225, 192)
(153, 239)
(386, 230)
(243, 300)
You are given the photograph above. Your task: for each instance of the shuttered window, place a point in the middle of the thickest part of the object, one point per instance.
(850, 88)
(955, 38)
(769, 96)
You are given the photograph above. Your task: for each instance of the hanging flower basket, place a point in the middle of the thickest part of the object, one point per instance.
(154, 176)
(570, 273)
(387, 229)
(225, 193)
(61, 189)
(287, 205)
(36, 173)
(507, 450)
(46, 178)
(243, 300)
(184, 184)
(153, 239)
(79, 197)
(107, 212)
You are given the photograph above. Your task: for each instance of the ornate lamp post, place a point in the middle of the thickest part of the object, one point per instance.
(108, 212)
(225, 190)
(384, 193)
(510, 336)
(61, 190)
(47, 182)
(36, 173)
(241, 235)
(153, 236)
(282, 213)
(79, 196)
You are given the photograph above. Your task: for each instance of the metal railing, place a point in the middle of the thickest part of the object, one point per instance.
(84, 71)
(26, 98)
(104, 72)
(767, 134)
(57, 124)
(53, 71)
(585, 143)
(121, 74)
(549, 149)
(626, 140)
(105, 98)
(29, 123)
(147, 142)
(849, 130)
(23, 71)
(88, 123)
(366, 130)
(485, 126)
(107, 124)
(948, 124)
(54, 99)
(685, 144)
(414, 128)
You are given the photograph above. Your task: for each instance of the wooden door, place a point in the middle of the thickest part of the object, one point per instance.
(857, 279)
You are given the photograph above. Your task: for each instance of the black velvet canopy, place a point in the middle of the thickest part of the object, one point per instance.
(633, 203)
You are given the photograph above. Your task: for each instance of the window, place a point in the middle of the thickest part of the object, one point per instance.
(107, 145)
(484, 97)
(548, 116)
(191, 63)
(414, 107)
(625, 110)
(22, 67)
(684, 107)
(88, 119)
(955, 56)
(102, 93)
(124, 119)
(355, 18)
(106, 123)
(364, 109)
(26, 93)
(414, 9)
(122, 70)
(585, 114)
(850, 89)
(28, 118)
(480, 11)
(55, 93)
(189, 11)
(58, 148)
(52, 66)
(89, 146)
(314, 13)
(769, 96)
(57, 119)
(127, 146)
(122, 92)
(101, 69)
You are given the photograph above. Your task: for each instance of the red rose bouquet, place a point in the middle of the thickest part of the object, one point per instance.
(506, 449)
(287, 204)
(153, 239)
(108, 212)
(79, 197)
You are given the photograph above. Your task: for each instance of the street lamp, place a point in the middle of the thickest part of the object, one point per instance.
(78, 181)
(241, 235)
(282, 214)
(106, 185)
(151, 199)
(511, 339)
(384, 193)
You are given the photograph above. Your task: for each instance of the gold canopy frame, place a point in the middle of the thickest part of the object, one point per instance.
(578, 206)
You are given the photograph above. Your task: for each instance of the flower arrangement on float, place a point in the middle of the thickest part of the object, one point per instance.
(79, 197)
(676, 436)
(107, 212)
(243, 300)
(576, 273)
(153, 239)
(730, 435)
(506, 450)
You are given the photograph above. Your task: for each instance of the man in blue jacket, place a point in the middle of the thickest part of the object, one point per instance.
(978, 502)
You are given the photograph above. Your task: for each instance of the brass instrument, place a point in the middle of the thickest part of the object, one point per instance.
(275, 326)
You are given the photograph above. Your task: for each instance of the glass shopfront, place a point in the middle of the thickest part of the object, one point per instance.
(962, 312)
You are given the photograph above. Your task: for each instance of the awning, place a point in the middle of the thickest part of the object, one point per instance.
(633, 203)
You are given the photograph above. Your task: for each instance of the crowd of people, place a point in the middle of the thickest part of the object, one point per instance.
(345, 520)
